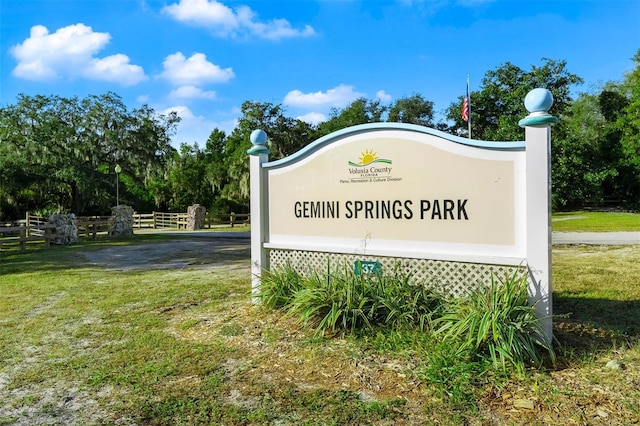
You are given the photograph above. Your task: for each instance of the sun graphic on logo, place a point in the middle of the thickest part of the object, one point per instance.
(368, 156)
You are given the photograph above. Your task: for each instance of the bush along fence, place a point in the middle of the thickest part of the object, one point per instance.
(60, 229)
(451, 212)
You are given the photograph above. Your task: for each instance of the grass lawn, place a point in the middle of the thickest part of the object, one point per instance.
(582, 221)
(85, 345)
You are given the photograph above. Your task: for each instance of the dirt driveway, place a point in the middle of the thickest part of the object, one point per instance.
(192, 250)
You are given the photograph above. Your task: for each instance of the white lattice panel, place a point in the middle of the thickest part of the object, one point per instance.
(451, 278)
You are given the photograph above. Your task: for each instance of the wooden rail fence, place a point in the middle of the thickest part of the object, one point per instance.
(21, 234)
(90, 226)
(38, 228)
(159, 220)
(232, 219)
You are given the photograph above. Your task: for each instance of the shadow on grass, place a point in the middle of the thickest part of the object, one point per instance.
(584, 325)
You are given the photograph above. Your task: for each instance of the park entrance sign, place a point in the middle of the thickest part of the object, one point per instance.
(407, 191)
(450, 210)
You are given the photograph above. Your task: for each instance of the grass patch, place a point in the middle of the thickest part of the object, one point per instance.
(84, 345)
(583, 221)
(597, 287)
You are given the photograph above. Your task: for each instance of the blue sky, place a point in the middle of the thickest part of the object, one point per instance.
(204, 58)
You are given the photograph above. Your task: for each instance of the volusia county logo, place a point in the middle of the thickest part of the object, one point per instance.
(370, 168)
(369, 157)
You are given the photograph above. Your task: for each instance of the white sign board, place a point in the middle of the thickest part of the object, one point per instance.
(406, 191)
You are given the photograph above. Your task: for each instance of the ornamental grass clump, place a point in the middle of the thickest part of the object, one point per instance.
(496, 321)
(336, 302)
(278, 287)
(406, 303)
(346, 301)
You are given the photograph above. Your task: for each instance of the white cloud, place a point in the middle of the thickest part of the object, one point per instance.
(183, 111)
(272, 30)
(193, 71)
(225, 22)
(196, 128)
(338, 97)
(383, 96)
(70, 53)
(114, 68)
(203, 13)
(313, 117)
(192, 92)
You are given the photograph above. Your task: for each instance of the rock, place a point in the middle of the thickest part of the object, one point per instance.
(195, 217)
(523, 403)
(614, 364)
(121, 221)
(66, 229)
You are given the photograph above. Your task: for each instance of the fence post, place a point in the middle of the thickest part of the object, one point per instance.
(47, 236)
(538, 188)
(259, 154)
(23, 238)
(154, 219)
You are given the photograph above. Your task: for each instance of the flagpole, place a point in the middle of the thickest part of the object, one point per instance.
(469, 107)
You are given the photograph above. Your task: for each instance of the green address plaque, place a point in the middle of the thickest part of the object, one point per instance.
(367, 267)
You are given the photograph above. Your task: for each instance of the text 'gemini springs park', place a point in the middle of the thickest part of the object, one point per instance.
(445, 209)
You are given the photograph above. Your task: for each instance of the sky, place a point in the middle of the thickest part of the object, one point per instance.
(204, 58)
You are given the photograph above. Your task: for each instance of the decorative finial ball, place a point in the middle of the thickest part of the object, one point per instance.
(258, 137)
(538, 100)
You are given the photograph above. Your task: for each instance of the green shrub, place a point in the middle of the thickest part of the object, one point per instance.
(496, 321)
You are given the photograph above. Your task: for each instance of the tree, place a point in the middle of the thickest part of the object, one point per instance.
(499, 104)
(216, 172)
(286, 136)
(58, 154)
(628, 123)
(579, 170)
(596, 158)
(360, 111)
(187, 177)
(414, 110)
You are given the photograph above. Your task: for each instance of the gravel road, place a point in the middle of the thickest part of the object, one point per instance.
(193, 250)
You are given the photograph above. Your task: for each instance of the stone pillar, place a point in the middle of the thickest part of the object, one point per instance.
(195, 217)
(66, 229)
(121, 221)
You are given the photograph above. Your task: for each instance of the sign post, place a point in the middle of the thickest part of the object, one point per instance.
(259, 155)
(538, 138)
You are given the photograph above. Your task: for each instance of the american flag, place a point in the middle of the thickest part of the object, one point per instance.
(465, 108)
